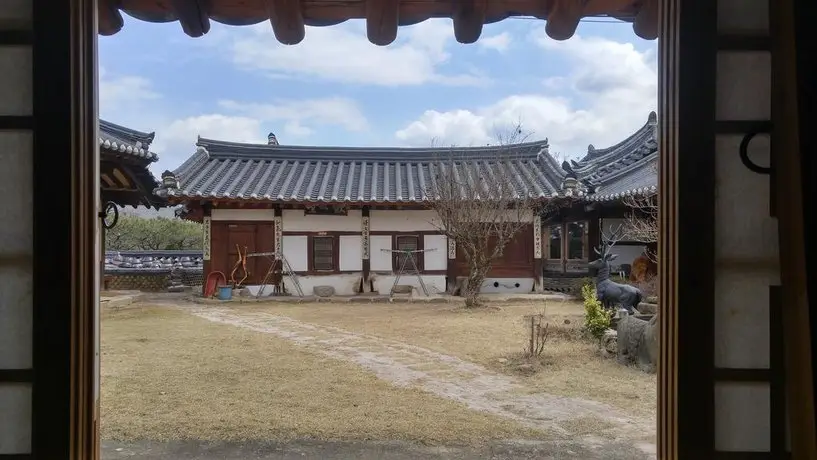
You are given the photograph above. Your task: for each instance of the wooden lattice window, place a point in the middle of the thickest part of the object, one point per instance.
(323, 253)
(407, 243)
(576, 240)
(555, 242)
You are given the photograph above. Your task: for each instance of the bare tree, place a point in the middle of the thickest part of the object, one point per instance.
(479, 208)
(641, 223)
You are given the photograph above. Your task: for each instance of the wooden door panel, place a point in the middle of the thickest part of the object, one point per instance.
(516, 259)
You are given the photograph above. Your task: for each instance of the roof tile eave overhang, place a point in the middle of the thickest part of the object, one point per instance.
(176, 199)
(290, 20)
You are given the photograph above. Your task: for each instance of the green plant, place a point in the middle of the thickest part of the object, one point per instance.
(596, 318)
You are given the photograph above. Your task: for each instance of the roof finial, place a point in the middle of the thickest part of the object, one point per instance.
(653, 118)
(271, 139)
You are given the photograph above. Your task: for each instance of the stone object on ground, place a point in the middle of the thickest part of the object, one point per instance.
(403, 289)
(637, 342)
(323, 291)
(651, 299)
(179, 288)
(609, 343)
(647, 308)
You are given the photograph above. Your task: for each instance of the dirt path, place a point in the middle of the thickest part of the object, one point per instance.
(448, 377)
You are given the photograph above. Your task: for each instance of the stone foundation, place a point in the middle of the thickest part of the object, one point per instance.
(564, 284)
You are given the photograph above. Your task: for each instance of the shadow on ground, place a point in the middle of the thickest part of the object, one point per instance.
(370, 450)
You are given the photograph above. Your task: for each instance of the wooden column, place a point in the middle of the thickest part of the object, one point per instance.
(65, 227)
(538, 265)
(593, 234)
(686, 184)
(207, 241)
(365, 247)
(451, 267)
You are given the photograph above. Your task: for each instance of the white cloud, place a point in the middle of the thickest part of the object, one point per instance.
(499, 42)
(343, 53)
(604, 97)
(116, 91)
(300, 113)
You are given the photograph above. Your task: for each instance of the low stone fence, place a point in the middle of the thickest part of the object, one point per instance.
(152, 271)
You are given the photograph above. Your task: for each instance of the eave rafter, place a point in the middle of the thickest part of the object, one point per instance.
(289, 18)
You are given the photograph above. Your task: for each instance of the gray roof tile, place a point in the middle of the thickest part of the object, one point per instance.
(626, 168)
(118, 139)
(338, 174)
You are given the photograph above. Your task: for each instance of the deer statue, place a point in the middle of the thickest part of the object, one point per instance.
(610, 293)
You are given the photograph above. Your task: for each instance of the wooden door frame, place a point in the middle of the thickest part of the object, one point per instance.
(65, 110)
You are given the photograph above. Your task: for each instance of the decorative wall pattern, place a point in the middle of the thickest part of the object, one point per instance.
(452, 249)
(364, 237)
(206, 237)
(537, 237)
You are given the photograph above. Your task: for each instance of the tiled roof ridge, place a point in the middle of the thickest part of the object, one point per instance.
(128, 133)
(641, 135)
(120, 139)
(218, 149)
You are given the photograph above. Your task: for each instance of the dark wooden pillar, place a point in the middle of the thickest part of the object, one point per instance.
(593, 233)
(364, 242)
(207, 237)
(686, 184)
(65, 229)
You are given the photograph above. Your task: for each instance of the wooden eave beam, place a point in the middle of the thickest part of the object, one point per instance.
(563, 18)
(646, 22)
(194, 16)
(287, 20)
(469, 17)
(108, 17)
(382, 19)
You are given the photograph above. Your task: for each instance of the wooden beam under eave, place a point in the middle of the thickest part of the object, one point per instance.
(645, 24)
(194, 16)
(468, 20)
(382, 18)
(563, 19)
(287, 20)
(109, 19)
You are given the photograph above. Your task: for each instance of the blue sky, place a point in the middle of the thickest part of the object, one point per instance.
(335, 88)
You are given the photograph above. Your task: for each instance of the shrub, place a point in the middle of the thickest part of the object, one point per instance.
(649, 286)
(596, 318)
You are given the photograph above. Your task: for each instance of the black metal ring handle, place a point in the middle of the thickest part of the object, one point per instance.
(744, 155)
(109, 206)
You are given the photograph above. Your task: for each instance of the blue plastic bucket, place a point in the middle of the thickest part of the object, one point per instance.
(225, 292)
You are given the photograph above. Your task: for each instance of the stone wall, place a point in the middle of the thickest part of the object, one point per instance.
(134, 281)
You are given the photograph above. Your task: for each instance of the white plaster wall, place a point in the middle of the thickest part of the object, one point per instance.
(350, 252)
(626, 254)
(294, 220)
(16, 190)
(243, 214)
(379, 260)
(402, 220)
(294, 248)
(434, 283)
(437, 259)
(610, 225)
(507, 285)
(344, 284)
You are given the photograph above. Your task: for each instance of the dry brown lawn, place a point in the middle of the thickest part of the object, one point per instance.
(570, 365)
(167, 375)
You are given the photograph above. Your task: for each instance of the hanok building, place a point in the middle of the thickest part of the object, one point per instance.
(601, 192)
(335, 213)
(125, 157)
(125, 180)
